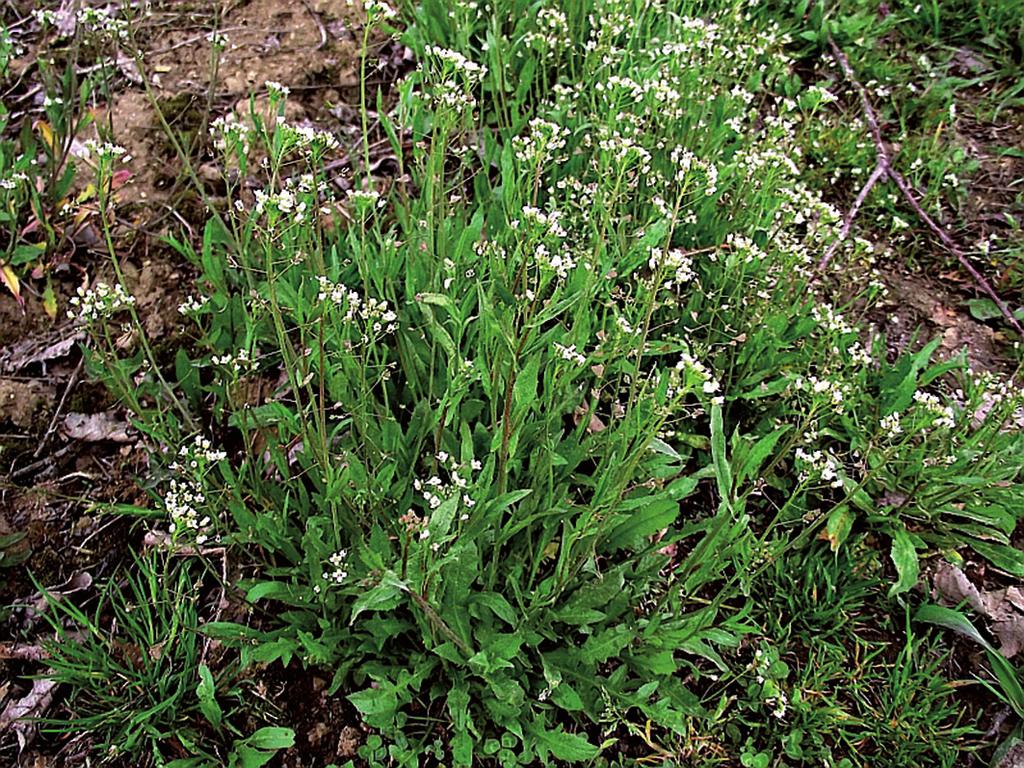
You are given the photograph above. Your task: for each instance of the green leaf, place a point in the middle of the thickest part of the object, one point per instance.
(761, 450)
(274, 590)
(382, 597)
(438, 300)
(1003, 557)
(723, 473)
(248, 757)
(524, 392)
(660, 446)
(897, 393)
(951, 619)
(207, 695)
(904, 557)
(272, 737)
(838, 526)
(604, 645)
(565, 696)
(659, 514)
(986, 309)
(566, 746)
(499, 606)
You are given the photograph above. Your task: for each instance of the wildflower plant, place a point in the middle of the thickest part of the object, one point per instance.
(513, 437)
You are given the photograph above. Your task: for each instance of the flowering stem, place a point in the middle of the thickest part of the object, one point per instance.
(103, 197)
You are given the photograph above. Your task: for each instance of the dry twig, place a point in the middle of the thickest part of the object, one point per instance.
(884, 168)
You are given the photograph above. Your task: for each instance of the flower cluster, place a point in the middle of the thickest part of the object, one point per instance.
(185, 500)
(377, 10)
(237, 361)
(96, 21)
(102, 152)
(435, 491)
(543, 143)
(295, 201)
(373, 315)
(943, 416)
(305, 138)
(99, 302)
(217, 40)
(364, 200)
(685, 162)
(335, 571)
(836, 391)
(14, 181)
(818, 464)
(675, 263)
(552, 35)
(561, 262)
(276, 91)
(193, 305)
(453, 80)
(232, 136)
(891, 426)
(771, 690)
(571, 354)
(689, 372)
(102, 21)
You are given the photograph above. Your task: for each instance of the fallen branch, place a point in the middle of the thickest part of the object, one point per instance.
(880, 170)
(884, 167)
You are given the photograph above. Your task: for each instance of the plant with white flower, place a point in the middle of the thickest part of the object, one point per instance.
(674, 263)
(771, 676)
(571, 354)
(552, 33)
(377, 10)
(372, 317)
(337, 568)
(625, 326)
(102, 152)
(232, 136)
(688, 374)
(193, 305)
(236, 362)
(101, 22)
(185, 500)
(686, 161)
(217, 40)
(283, 204)
(45, 17)
(560, 262)
(450, 79)
(435, 491)
(306, 137)
(891, 426)
(543, 143)
(835, 391)
(185, 504)
(827, 317)
(942, 416)
(364, 200)
(816, 464)
(14, 181)
(548, 223)
(99, 302)
(276, 91)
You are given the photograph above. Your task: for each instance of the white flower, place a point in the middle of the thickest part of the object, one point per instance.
(569, 353)
(276, 90)
(100, 302)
